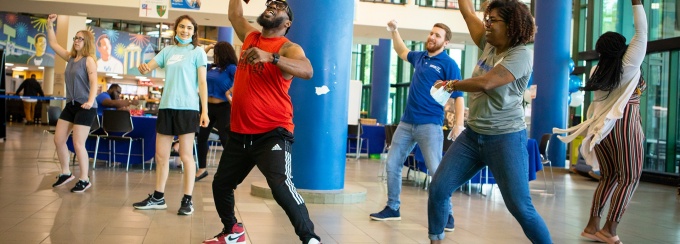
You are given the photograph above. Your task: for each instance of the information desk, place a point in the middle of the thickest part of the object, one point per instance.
(144, 127)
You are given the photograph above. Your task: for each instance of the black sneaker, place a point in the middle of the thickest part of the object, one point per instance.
(187, 207)
(81, 186)
(201, 176)
(386, 214)
(150, 203)
(449, 224)
(63, 179)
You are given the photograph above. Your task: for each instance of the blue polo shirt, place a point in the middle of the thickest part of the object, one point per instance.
(220, 81)
(421, 108)
(100, 101)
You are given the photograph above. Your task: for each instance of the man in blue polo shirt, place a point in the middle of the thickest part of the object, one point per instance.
(424, 114)
(110, 100)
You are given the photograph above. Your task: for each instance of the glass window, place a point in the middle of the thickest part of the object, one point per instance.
(656, 119)
(664, 19)
(610, 15)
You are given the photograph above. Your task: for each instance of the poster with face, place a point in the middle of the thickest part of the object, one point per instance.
(24, 39)
(121, 52)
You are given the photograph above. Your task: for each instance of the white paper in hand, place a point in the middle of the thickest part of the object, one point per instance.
(440, 95)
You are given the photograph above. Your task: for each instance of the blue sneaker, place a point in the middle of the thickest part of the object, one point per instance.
(386, 214)
(449, 224)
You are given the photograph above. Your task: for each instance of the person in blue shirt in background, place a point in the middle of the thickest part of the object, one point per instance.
(220, 79)
(424, 114)
(110, 100)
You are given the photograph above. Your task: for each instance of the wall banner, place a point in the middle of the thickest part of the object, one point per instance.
(153, 9)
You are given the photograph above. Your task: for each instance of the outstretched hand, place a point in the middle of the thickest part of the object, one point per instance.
(392, 25)
(51, 18)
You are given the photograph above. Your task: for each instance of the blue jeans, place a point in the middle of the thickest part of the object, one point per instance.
(507, 158)
(429, 137)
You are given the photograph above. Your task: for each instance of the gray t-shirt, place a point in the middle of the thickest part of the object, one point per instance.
(499, 110)
(77, 81)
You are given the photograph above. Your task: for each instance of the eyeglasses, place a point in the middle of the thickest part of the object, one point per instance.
(78, 39)
(278, 5)
(489, 22)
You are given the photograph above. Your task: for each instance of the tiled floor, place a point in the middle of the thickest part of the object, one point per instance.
(31, 211)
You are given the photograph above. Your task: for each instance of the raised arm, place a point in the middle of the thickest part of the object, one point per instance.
(52, 38)
(292, 60)
(637, 48)
(399, 45)
(474, 24)
(240, 23)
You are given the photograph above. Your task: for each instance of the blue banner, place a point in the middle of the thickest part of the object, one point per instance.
(186, 4)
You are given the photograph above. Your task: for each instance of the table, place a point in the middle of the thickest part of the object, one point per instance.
(144, 127)
(535, 163)
(376, 138)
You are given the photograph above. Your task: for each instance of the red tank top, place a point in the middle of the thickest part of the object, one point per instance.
(260, 102)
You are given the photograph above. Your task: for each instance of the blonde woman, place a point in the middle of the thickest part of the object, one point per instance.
(81, 108)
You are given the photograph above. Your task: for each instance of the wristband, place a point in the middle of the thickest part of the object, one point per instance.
(276, 57)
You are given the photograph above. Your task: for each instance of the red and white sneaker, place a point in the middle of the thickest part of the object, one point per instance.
(237, 235)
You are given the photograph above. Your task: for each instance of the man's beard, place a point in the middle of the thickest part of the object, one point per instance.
(269, 24)
(435, 48)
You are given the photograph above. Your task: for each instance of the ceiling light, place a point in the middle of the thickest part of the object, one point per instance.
(9, 64)
(87, 21)
(41, 67)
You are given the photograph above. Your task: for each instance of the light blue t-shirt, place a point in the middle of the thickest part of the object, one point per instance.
(421, 108)
(181, 76)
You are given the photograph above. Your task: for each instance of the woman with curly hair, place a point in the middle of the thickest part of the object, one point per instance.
(496, 135)
(613, 133)
(220, 78)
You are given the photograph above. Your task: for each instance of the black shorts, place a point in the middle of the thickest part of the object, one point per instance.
(177, 122)
(74, 114)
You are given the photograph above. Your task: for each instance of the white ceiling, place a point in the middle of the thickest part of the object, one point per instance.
(367, 34)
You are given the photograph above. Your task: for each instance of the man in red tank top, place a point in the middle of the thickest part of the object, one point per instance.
(262, 119)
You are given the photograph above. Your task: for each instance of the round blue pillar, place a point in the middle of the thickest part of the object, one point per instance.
(225, 34)
(551, 74)
(380, 80)
(320, 104)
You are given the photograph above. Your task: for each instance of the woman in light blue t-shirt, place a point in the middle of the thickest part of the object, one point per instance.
(178, 114)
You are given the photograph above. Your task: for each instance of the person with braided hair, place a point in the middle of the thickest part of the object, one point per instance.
(613, 133)
(496, 135)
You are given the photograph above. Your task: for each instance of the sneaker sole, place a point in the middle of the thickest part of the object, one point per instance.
(83, 190)
(152, 207)
(185, 213)
(449, 230)
(385, 219)
(66, 181)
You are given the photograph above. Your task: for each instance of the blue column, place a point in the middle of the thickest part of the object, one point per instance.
(551, 74)
(225, 34)
(320, 104)
(380, 80)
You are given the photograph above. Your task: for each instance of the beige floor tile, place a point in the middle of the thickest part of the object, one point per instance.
(31, 211)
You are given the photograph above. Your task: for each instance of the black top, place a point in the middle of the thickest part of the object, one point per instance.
(32, 88)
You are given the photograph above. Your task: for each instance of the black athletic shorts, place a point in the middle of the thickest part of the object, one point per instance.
(177, 122)
(75, 114)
